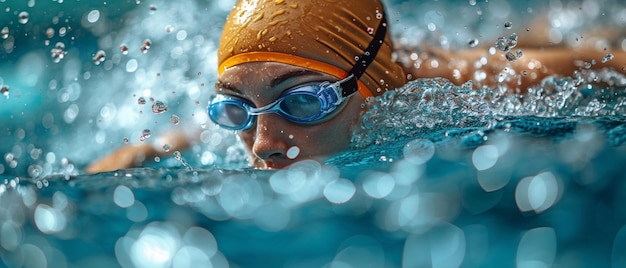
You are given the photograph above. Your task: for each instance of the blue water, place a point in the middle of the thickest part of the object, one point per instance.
(439, 175)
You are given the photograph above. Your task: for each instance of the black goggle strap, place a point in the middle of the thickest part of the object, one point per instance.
(349, 86)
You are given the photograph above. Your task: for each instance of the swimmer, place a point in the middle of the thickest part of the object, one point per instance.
(293, 77)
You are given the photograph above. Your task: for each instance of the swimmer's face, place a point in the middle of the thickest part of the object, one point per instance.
(273, 141)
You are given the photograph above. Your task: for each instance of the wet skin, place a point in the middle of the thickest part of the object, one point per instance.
(271, 136)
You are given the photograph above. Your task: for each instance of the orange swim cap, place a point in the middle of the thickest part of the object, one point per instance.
(323, 35)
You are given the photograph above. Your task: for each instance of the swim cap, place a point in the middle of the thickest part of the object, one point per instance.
(323, 35)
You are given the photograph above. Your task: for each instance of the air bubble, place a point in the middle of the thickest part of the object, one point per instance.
(125, 140)
(100, 57)
(141, 101)
(370, 30)
(169, 28)
(166, 148)
(472, 2)
(159, 107)
(508, 25)
(23, 17)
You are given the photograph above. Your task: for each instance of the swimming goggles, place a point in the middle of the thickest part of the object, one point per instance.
(304, 104)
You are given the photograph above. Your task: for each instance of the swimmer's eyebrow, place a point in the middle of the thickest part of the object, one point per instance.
(273, 84)
(292, 74)
(225, 85)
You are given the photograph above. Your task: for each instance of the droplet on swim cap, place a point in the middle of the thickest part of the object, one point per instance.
(328, 31)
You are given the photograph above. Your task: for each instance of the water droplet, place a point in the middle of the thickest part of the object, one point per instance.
(157, 159)
(379, 15)
(22, 17)
(473, 43)
(146, 46)
(125, 140)
(293, 152)
(5, 32)
(93, 16)
(4, 90)
(175, 119)
(511, 57)
(146, 133)
(62, 31)
(124, 49)
(166, 148)
(370, 30)
(519, 53)
(508, 25)
(182, 161)
(506, 43)
(50, 32)
(141, 101)
(607, 57)
(159, 107)
(58, 52)
(100, 57)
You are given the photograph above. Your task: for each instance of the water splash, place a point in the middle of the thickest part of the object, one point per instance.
(424, 107)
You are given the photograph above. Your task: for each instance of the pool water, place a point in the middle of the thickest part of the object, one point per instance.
(439, 175)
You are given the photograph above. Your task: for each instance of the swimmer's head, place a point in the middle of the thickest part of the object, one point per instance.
(330, 33)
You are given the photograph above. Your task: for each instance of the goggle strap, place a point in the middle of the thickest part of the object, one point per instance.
(350, 85)
(370, 53)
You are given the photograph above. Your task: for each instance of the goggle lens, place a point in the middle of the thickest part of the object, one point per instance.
(229, 115)
(301, 106)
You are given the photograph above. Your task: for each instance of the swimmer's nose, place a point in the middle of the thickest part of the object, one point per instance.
(270, 144)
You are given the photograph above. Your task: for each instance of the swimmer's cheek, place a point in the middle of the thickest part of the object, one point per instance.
(124, 157)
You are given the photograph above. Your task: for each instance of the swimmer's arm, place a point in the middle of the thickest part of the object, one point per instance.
(135, 155)
(532, 67)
